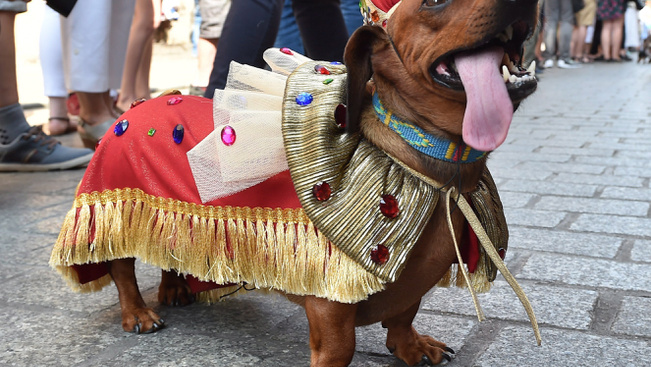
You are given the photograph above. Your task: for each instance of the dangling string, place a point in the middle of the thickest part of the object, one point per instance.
(471, 288)
(486, 243)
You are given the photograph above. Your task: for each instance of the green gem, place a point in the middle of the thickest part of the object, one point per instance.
(328, 81)
(151, 132)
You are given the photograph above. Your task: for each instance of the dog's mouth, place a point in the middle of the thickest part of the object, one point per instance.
(494, 81)
(520, 82)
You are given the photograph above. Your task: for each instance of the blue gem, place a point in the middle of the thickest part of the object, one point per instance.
(335, 63)
(304, 99)
(177, 134)
(121, 127)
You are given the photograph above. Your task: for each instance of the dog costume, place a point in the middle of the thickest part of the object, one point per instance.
(202, 187)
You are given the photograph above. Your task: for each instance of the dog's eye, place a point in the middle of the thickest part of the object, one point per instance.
(432, 3)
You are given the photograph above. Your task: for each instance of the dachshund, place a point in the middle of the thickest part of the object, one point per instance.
(454, 69)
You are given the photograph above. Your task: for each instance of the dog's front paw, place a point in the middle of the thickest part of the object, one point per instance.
(141, 321)
(174, 290)
(416, 349)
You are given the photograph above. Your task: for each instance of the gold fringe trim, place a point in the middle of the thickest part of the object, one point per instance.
(265, 248)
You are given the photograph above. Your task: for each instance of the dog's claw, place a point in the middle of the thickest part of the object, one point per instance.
(446, 356)
(450, 350)
(162, 323)
(136, 329)
(391, 350)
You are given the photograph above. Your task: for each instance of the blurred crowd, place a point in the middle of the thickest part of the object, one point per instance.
(96, 55)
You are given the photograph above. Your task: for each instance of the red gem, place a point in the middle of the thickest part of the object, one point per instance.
(137, 102)
(380, 254)
(384, 23)
(321, 69)
(228, 135)
(321, 191)
(174, 100)
(286, 51)
(502, 252)
(389, 206)
(340, 115)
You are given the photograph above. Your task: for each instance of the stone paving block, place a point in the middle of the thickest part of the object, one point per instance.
(563, 348)
(546, 240)
(551, 142)
(44, 287)
(638, 154)
(167, 349)
(603, 180)
(533, 157)
(593, 205)
(507, 171)
(613, 224)
(641, 251)
(588, 272)
(49, 338)
(630, 320)
(627, 193)
(548, 188)
(33, 182)
(632, 171)
(594, 153)
(563, 167)
(619, 146)
(536, 218)
(634, 317)
(23, 248)
(512, 199)
(615, 161)
(557, 306)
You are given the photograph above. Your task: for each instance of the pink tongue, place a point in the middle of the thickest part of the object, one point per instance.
(489, 110)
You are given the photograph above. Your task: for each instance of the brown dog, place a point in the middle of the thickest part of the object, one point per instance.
(453, 69)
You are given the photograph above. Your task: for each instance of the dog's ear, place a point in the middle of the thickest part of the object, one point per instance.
(357, 58)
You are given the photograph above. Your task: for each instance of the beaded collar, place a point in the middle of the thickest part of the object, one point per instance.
(425, 143)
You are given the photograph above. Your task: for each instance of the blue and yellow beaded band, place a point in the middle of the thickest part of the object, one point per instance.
(425, 143)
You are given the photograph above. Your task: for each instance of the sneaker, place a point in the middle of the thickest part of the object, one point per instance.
(568, 64)
(36, 151)
(549, 63)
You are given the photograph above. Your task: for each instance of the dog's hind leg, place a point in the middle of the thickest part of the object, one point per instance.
(136, 316)
(410, 346)
(174, 290)
(332, 331)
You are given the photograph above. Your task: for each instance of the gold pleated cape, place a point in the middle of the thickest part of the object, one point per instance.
(359, 174)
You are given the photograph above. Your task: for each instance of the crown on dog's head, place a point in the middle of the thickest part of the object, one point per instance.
(377, 12)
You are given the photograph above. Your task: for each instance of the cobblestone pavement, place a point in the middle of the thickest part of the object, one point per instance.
(574, 176)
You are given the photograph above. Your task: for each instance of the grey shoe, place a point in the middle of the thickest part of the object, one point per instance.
(35, 151)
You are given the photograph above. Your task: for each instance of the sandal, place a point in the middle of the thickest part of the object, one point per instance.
(91, 134)
(70, 127)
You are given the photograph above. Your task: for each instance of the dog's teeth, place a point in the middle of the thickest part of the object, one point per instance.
(505, 73)
(532, 68)
(509, 32)
(503, 37)
(514, 69)
(513, 78)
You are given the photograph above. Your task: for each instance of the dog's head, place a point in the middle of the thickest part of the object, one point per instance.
(441, 65)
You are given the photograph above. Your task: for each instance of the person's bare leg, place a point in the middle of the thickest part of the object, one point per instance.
(206, 50)
(606, 39)
(8, 83)
(93, 108)
(618, 33)
(142, 30)
(58, 123)
(142, 77)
